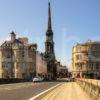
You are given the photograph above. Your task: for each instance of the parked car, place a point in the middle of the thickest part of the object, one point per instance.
(73, 79)
(37, 79)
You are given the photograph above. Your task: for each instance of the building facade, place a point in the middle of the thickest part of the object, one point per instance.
(17, 58)
(86, 60)
(62, 71)
(41, 65)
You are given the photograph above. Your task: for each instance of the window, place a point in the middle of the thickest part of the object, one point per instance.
(22, 53)
(91, 66)
(8, 55)
(78, 49)
(78, 57)
(97, 66)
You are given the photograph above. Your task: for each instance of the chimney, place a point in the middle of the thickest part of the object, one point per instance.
(13, 36)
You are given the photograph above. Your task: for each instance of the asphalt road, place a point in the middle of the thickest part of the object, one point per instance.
(43, 91)
(23, 91)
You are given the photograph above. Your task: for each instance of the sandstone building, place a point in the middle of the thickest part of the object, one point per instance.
(86, 60)
(41, 65)
(17, 58)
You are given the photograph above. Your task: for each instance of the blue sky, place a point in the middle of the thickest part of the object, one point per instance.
(72, 20)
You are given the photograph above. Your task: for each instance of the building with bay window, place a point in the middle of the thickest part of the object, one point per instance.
(86, 60)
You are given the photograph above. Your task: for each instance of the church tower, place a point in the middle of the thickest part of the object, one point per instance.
(49, 49)
(49, 44)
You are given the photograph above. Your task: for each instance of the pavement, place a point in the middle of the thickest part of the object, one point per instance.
(66, 91)
(42, 91)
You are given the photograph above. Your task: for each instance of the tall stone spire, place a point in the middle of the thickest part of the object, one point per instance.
(49, 44)
(49, 48)
(49, 17)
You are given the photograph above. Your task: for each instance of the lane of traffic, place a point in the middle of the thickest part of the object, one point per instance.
(25, 92)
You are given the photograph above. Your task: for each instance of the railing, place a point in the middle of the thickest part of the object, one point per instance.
(92, 87)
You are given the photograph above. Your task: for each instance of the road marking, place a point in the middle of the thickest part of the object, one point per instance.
(52, 93)
(33, 98)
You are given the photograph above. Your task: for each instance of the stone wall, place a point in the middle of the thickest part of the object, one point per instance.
(92, 87)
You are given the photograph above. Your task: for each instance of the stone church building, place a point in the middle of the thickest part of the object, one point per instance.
(49, 49)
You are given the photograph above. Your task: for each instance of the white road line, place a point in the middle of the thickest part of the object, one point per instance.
(33, 98)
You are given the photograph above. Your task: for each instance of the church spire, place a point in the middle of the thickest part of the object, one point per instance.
(49, 17)
(49, 44)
